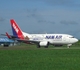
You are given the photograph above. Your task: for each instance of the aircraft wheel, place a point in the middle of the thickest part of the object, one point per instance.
(47, 45)
(6, 45)
(38, 46)
(68, 46)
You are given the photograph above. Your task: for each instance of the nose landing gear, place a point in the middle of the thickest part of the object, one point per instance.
(68, 46)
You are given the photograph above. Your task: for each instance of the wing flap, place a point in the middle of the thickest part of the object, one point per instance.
(28, 41)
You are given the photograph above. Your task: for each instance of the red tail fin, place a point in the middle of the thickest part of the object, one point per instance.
(16, 30)
(8, 35)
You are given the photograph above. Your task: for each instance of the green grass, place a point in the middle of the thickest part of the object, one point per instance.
(28, 57)
(40, 59)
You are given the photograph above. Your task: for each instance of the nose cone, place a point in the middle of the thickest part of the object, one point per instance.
(73, 40)
(76, 40)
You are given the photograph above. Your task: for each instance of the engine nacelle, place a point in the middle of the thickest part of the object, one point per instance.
(43, 43)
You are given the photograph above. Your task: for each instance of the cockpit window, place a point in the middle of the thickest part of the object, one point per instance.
(71, 37)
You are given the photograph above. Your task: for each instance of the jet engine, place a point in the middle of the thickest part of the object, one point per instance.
(43, 43)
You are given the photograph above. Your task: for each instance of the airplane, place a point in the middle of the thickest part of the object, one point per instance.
(6, 41)
(40, 39)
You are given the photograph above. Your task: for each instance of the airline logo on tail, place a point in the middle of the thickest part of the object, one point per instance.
(16, 30)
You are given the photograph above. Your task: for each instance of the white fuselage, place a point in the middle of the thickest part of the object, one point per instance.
(53, 38)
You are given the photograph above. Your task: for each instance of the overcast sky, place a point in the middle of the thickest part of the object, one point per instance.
(41, 16)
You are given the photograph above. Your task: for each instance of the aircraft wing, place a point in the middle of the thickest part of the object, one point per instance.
(28, 41)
